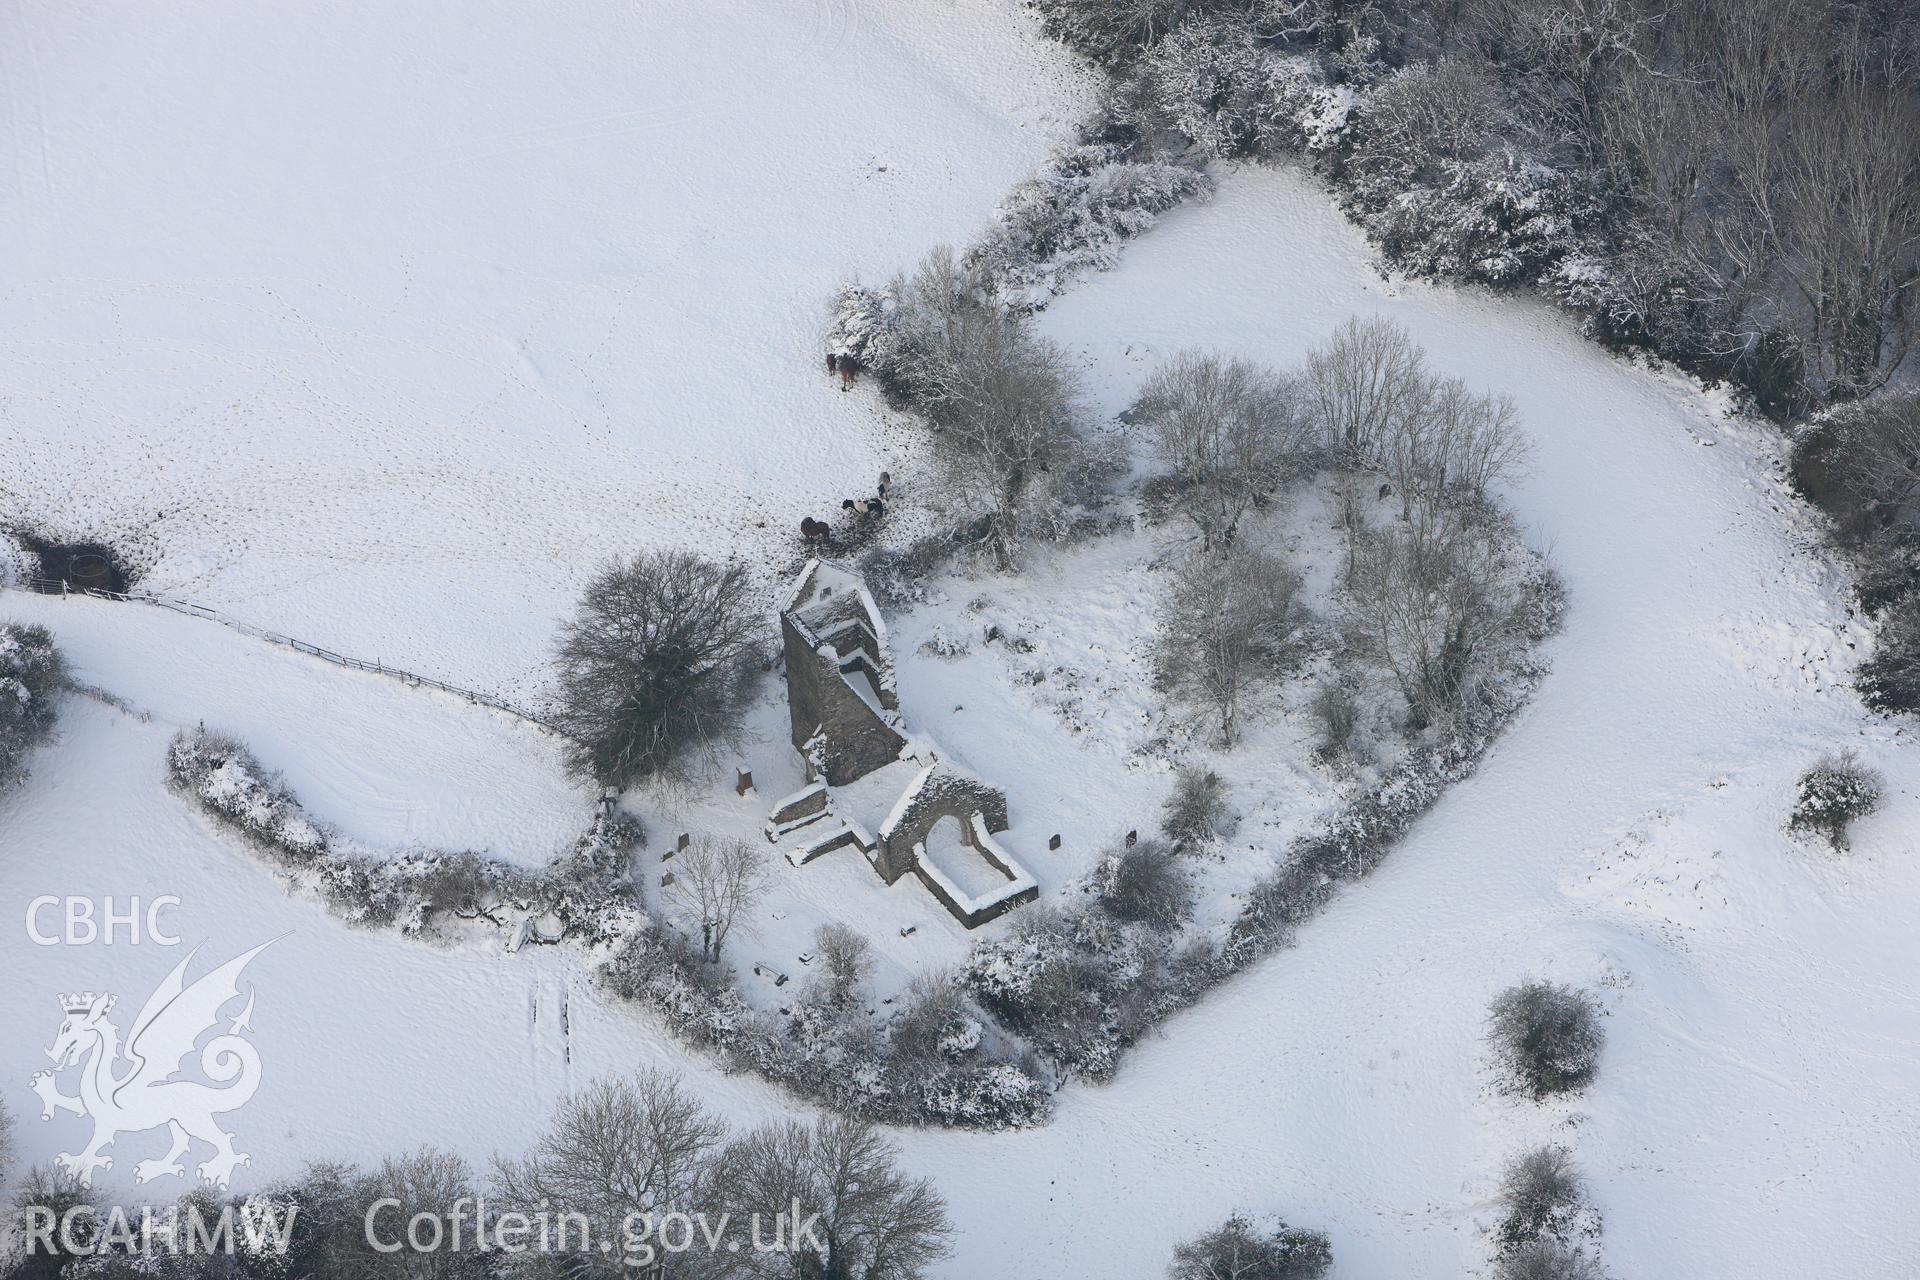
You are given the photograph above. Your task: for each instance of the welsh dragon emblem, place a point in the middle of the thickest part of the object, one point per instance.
(138, 1087)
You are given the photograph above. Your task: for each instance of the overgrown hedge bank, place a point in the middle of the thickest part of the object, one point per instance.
(1084, 985)
(841, 1056)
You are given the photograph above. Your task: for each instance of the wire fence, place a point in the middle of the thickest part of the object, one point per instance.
(57, 587)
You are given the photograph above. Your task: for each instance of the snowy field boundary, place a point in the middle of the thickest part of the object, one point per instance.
(413, 679)
(1137, 976)
(586, 893)
(838, 1057)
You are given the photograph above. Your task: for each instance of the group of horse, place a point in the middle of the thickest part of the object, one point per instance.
(845, 365)
(863, 511)
(817, 534)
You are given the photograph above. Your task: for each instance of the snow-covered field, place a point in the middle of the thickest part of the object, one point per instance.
(381, 325)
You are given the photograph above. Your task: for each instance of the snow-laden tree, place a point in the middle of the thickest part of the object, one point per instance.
(1211, 81)
(1242, 1248)
(33, 679)
(1834, 793)
(1546, 1036)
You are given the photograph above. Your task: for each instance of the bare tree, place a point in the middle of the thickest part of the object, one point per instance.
(1452, 441)
(1427, 600)
(424, 1182)
(657, 661)
(1006, 403)
(718, 881)
(1361, 381)
(874, 1221)
(1852, 196)
(1228, 624)
(622, 1146)
(1227, 428)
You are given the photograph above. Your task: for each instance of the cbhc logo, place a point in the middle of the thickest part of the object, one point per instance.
(82, 921)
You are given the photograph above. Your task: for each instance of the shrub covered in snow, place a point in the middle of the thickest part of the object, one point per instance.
(1243, 1248)
(1335, 714)
(1197, 810)
(936, 1024)
(949, 1076)
(1084, 979)
(946, 642)
(1073, 217)
(1544, 1200)
(1145, 884)
(1211, 83)
(225, 778)
(33, 678)
(1834, 793)
(897, 575)
(1433, 182)
(1548, 1260)
(1890, 679)
(1546, 1036)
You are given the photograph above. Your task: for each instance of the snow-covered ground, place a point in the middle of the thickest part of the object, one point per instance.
(383, 324)
(382, 330)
